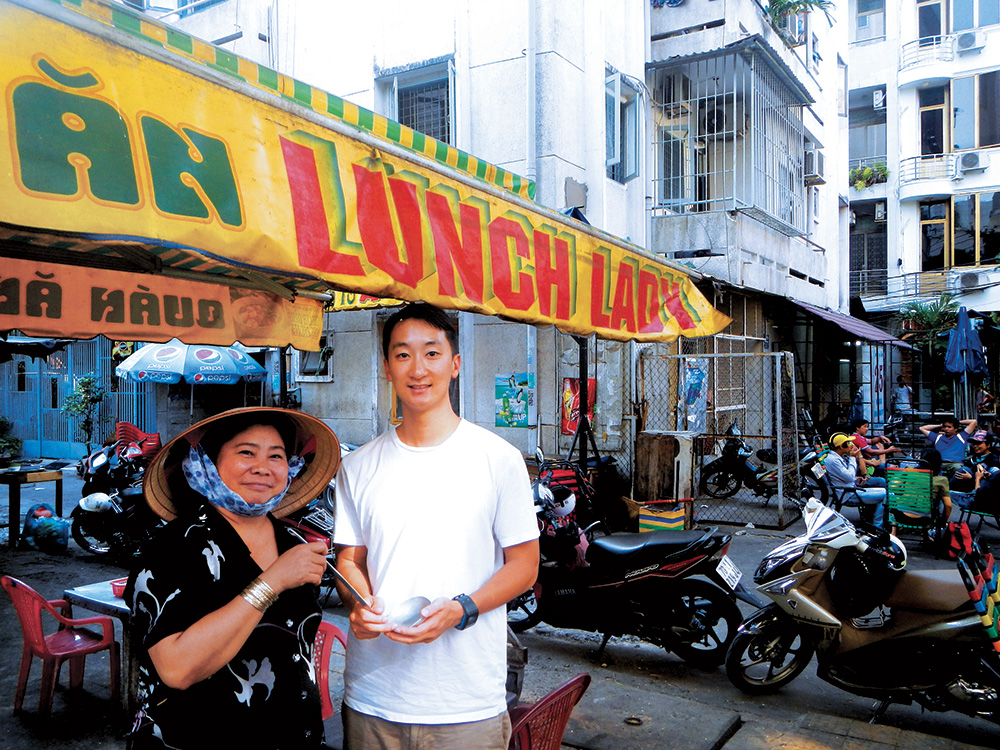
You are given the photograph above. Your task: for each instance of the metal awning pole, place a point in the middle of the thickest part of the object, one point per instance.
(283, 378)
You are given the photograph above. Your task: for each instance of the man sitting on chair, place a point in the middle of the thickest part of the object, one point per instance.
(846, 470)
(979, 453)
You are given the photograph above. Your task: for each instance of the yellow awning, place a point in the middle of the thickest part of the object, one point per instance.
(137, 149)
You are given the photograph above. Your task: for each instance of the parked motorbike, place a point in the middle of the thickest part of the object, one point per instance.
(114, 467)
(726, 475)
(113, 523)
(652, 585)
(931, 647)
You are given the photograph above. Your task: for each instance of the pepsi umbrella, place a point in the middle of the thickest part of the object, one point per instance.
(965, 360)
(194, 363)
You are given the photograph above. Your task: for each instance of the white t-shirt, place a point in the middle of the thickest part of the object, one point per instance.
(434, 522)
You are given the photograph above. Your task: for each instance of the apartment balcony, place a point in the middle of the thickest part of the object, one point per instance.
(974, 286)
(739, 249)
(934, 60)
(704, 21)
(868, 178)
(923, 176)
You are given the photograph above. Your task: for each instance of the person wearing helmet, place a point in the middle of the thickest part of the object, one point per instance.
(441, 508)
(846, 469)
(224, 598)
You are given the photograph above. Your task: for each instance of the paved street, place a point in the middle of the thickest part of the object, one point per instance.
(666, 703)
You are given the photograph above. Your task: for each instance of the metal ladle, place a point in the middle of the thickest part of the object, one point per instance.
(407, 614)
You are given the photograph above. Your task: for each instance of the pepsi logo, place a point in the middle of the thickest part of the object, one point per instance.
(166, 353)
(238, 356)
(199, 378)
(208, 356)
(142, 374)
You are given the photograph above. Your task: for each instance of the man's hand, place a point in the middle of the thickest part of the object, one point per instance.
(369, 623)
(439, 616)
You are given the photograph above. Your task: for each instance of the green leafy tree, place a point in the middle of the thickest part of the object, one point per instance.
(927, 325)
(780, 9)
(84, 403)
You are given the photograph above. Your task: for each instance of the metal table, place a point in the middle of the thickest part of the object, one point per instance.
(98, 597)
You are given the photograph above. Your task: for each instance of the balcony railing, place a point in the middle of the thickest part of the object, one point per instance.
(869, 282)
(866, 161)
(933, 167)
(929, 49)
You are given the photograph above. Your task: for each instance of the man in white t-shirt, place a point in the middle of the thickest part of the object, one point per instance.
(442, 508)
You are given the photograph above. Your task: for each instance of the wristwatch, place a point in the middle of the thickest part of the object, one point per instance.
(470, 612)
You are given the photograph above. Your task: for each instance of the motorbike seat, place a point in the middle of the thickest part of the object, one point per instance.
(929, 591)
(658, 543)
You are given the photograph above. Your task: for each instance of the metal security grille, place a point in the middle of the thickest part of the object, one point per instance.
(728, 135)
(32, 392)
(426, 107)
(869, 272)
(707, 394)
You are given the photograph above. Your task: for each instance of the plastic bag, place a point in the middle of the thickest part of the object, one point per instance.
(45, 531)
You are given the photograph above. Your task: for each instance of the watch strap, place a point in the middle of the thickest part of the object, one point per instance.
(470, 612)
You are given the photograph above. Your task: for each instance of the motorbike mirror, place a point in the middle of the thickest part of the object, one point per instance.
(539, 456)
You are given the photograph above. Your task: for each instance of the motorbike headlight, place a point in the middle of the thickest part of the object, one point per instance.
(746, 452)
(99, 461)
(779, 563)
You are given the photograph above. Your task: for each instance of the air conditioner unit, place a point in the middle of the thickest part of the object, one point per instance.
(880, 211)
(720, 117)
(970, 41)
(812, 167)
(878, 99)
(973, 161)
(964, 282)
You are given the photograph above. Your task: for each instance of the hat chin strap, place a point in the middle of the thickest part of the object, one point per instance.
(203, 477)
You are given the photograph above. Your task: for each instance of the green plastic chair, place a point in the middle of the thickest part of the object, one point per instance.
(910, 499)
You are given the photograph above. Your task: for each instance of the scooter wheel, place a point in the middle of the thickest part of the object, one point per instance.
(703, 622)
(522, 612)
(720, 484)
(84, 535)
(766, 659)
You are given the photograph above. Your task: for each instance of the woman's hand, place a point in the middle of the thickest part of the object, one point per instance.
(302, 564)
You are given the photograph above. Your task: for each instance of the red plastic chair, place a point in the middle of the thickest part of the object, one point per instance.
(540, 726)
(322, 649)
(131, 434)
(71, 643)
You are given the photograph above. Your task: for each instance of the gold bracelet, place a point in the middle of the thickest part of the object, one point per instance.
(259, 595)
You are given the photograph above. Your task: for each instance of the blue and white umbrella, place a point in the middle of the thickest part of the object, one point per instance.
(197, 364)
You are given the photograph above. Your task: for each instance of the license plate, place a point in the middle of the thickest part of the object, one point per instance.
(818, 470)
(729, 572)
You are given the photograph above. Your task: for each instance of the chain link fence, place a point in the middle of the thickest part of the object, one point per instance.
(724, 403)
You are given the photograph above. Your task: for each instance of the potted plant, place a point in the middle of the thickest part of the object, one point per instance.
(84, 402)
(865, 177)
(10, 445)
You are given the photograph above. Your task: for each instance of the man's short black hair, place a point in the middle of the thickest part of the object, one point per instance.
(856, 423)
(953, 421)
(429, 314)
